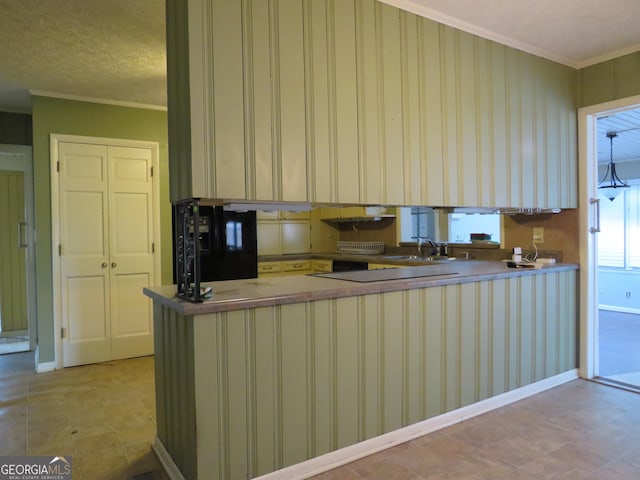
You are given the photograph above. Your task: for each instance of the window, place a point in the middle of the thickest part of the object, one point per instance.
(462, 225)
(619, 238)
(453, 227)
(417, 222)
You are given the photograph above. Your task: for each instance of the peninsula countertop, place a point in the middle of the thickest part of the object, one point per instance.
(261, 292)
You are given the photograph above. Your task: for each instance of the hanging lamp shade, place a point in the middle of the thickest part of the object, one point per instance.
(611, 185)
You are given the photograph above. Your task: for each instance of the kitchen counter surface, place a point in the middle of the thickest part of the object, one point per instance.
(261, 292)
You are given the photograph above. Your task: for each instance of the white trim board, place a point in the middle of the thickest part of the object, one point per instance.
(104, 101)
(337, 458)
(613, 308)
(588, 213)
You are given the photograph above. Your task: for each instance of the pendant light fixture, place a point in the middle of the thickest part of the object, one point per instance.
(612, 188)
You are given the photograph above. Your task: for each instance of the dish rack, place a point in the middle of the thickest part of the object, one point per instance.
(365, 248)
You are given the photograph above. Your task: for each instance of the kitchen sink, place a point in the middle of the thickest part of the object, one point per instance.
(424, 260)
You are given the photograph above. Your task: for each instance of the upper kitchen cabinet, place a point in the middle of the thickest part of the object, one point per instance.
(355, 101)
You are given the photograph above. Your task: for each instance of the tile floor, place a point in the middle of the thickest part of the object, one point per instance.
(580, 430)
(103, 415)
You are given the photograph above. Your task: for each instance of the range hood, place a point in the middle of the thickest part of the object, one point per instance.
(367, 218)
(359, 214)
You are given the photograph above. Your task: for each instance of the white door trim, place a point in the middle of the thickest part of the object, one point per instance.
(588, 183)
(55, 139)
(24, 163)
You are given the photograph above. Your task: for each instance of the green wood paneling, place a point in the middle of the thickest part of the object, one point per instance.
(178, 100)
(433, 350)
(175, 387)
(362, 102)
(277, 385)
(13, 257)
(346, 368)
(368, 88)
(610, 80)
(343, 92)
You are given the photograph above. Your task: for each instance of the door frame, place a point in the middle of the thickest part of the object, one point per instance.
(26, 167)
(55, 140)
(588, 188)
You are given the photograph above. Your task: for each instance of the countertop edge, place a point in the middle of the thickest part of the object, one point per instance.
(338, 289)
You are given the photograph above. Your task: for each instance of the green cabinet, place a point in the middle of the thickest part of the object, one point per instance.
(356, 101)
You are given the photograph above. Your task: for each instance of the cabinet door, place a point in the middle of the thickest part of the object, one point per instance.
(296, 237)
(269, 238)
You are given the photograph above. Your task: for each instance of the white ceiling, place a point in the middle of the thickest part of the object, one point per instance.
(115, 49)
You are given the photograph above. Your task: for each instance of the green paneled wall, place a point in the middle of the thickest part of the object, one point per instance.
(277, 385)
(610, 80)
(52, 115)
(357, 101)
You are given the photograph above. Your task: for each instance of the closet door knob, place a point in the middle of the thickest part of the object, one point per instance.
(114, 265)
(104, 265)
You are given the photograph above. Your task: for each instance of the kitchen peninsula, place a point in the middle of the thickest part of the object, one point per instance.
(271, 372)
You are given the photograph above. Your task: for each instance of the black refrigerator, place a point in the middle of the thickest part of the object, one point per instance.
(212, 243)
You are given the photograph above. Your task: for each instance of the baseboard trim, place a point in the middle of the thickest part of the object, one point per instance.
(351, 453)
(169, 466)
(45, 367)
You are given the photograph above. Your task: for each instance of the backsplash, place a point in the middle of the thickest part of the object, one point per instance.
(561, 240)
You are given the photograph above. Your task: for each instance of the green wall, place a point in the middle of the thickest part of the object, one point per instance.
(610, 80)
(97, 120)
(15, 128)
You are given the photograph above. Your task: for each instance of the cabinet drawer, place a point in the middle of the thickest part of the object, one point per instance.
(269, 267)
(296, 266)
(378, 266)
(321, 266)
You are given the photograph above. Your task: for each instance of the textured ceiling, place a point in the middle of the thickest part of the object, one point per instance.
(109, 49)
(115, 49)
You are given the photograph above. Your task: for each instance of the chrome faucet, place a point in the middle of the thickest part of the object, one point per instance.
(434, 247)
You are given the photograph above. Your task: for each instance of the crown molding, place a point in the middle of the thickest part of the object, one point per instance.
(105, 101)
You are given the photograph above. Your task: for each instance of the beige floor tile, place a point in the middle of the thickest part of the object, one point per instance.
(142, 432)
(103, 463)
(89, 444)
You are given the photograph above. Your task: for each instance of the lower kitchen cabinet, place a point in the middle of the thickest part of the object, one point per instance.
(269, 269)
(288, 267)
(296, 267)
(378, 266)
(322, 266)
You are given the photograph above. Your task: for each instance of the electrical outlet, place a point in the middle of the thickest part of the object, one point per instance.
(538, 234)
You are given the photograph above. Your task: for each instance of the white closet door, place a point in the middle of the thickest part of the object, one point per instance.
(130, 246)
(106, 236)
(84, 260)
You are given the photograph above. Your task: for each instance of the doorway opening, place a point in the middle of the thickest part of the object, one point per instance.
(17, 259)
(610, 246)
